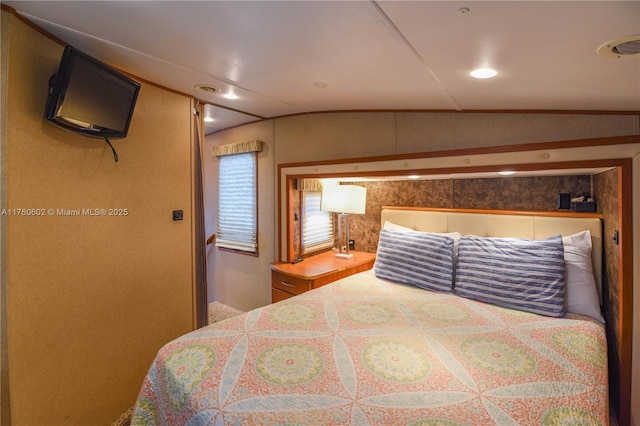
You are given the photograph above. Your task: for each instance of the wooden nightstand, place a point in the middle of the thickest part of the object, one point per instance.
(289, 279)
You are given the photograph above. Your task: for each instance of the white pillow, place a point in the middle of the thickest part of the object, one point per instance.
(455, 235)
(582, 293)
(456, 240)
(395, 227)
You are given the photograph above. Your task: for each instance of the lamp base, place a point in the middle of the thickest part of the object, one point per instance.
(344, 255)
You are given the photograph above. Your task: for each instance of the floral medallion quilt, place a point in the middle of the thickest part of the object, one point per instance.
(364, 350)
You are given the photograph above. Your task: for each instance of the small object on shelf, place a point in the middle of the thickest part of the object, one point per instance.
(583, 203)
(564, 201)
(586, 206)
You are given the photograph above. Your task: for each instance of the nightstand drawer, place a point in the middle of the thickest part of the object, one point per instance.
(278, 295)
(291, 279)
(289, 284)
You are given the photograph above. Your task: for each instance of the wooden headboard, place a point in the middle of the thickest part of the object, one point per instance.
(502, 223)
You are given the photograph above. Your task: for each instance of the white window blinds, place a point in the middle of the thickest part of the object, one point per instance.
(237, 202)
(317, 226)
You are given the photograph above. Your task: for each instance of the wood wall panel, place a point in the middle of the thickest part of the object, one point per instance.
(635, 349)
(90, 299)
(607, 183)
(5, 408)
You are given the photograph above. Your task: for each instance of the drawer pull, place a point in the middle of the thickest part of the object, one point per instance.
(287, 284)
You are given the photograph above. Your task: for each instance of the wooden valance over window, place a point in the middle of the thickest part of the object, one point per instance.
(237, 148)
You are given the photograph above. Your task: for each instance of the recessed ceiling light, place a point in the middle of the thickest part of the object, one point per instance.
(207, 88)
(507, 173)
(624, 47)
(209, 120)
(230, 95)
(484, 73)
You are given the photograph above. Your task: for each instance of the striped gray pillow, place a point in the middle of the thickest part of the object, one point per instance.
(422, 259)
(528, 275)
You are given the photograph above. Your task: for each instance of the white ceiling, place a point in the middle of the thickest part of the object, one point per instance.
(369, 55)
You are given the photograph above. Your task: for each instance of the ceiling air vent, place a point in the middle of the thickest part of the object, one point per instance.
(621, 48)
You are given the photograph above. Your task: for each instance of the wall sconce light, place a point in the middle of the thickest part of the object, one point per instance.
(344, 200)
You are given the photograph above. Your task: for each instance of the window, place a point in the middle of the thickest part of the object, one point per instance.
(317, 225)
(237, 199)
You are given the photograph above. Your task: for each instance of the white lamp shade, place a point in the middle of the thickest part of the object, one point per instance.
(344, 199)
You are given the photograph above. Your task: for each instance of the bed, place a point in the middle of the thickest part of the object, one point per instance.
(434, 334)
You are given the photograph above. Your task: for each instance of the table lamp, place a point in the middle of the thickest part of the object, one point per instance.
(344, 200)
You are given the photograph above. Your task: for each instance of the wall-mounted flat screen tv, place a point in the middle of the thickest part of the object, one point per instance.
(90, 98)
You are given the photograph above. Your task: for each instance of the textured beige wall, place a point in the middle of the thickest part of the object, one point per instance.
(335, 136)
(328, 136)
(239, 280)
(317, 137)
(418, 132)
(635, 379)
(90, 299)
(4, 367)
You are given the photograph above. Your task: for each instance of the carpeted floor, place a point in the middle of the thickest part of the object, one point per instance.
(217, 312)
(124, 419)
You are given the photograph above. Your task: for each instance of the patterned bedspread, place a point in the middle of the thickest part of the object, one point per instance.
(367, 351)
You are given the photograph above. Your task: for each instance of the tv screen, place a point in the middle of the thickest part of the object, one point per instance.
(91, 98)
